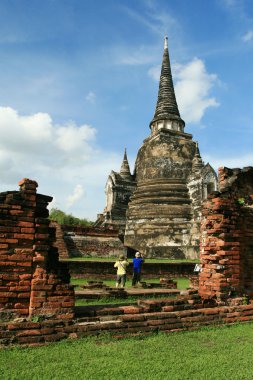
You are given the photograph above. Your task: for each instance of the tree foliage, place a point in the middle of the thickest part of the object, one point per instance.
(62, 218)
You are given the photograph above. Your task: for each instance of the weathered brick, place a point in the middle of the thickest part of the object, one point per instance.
(130, 309)
(27, 230)
(25, 224)
(3, 246)
(24, 236)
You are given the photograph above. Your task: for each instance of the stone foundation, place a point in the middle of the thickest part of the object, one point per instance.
(183, 313)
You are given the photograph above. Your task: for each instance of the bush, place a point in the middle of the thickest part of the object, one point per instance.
(62, 218)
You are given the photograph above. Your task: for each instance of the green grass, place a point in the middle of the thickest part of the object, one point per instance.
(208, 354)
(106, 301)
(113, 259)
(83, 281)
(182, 282)
(115, 301)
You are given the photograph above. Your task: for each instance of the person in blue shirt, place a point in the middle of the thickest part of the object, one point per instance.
(137, 265)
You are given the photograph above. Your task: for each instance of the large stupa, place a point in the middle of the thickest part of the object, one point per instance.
(168, 185)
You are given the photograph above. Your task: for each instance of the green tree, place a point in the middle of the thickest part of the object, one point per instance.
(61, 217)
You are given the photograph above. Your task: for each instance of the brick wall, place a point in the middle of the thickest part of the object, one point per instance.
(105, 270)
(59, 242)
(32, 281)
(227, 237)
(88, 241)
(182, 313)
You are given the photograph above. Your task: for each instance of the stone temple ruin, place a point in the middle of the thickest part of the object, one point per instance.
(169, 207)
(158, 208)
(37, 302)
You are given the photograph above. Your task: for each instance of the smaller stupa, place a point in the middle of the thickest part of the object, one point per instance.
(119, 187)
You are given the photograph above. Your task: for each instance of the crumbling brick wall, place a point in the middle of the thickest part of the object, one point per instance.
(89, 242)
(59, 242)
(104, 270)
(32, 281)
(227, 237)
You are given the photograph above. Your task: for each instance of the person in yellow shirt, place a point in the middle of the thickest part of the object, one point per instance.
(121, 266)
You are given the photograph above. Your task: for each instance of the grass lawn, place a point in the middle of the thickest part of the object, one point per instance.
(208, 354)
(115, 301)
(182, 283)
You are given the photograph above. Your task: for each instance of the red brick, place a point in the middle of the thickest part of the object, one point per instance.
(13, 241)
(24, 236)
(35, 304)
(68, 304)
(28, 230)
(28, 333)
(24, 263)
(20, 306)
(37, 299)
(38, 293)
(41, 236)
(29, 339)
(23, 295)
(25, 224)
(16, 212)
(20, 288)
(8, 263)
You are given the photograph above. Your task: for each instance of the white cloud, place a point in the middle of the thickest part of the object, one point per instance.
(72, 138)
(154, 72)
(59, 157)
(76, 196)
(36, 133)
(91, 97)
(192, 87)
(248, 36)
(17, 132)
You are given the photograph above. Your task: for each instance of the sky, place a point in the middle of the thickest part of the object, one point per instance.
(79, 83)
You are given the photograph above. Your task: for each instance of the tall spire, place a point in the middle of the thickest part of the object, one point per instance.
(197, 163)
(125, 169)
(166, 107)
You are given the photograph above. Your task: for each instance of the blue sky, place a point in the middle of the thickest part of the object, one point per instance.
(79, 82)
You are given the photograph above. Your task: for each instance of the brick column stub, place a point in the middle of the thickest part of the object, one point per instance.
(227, 237)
